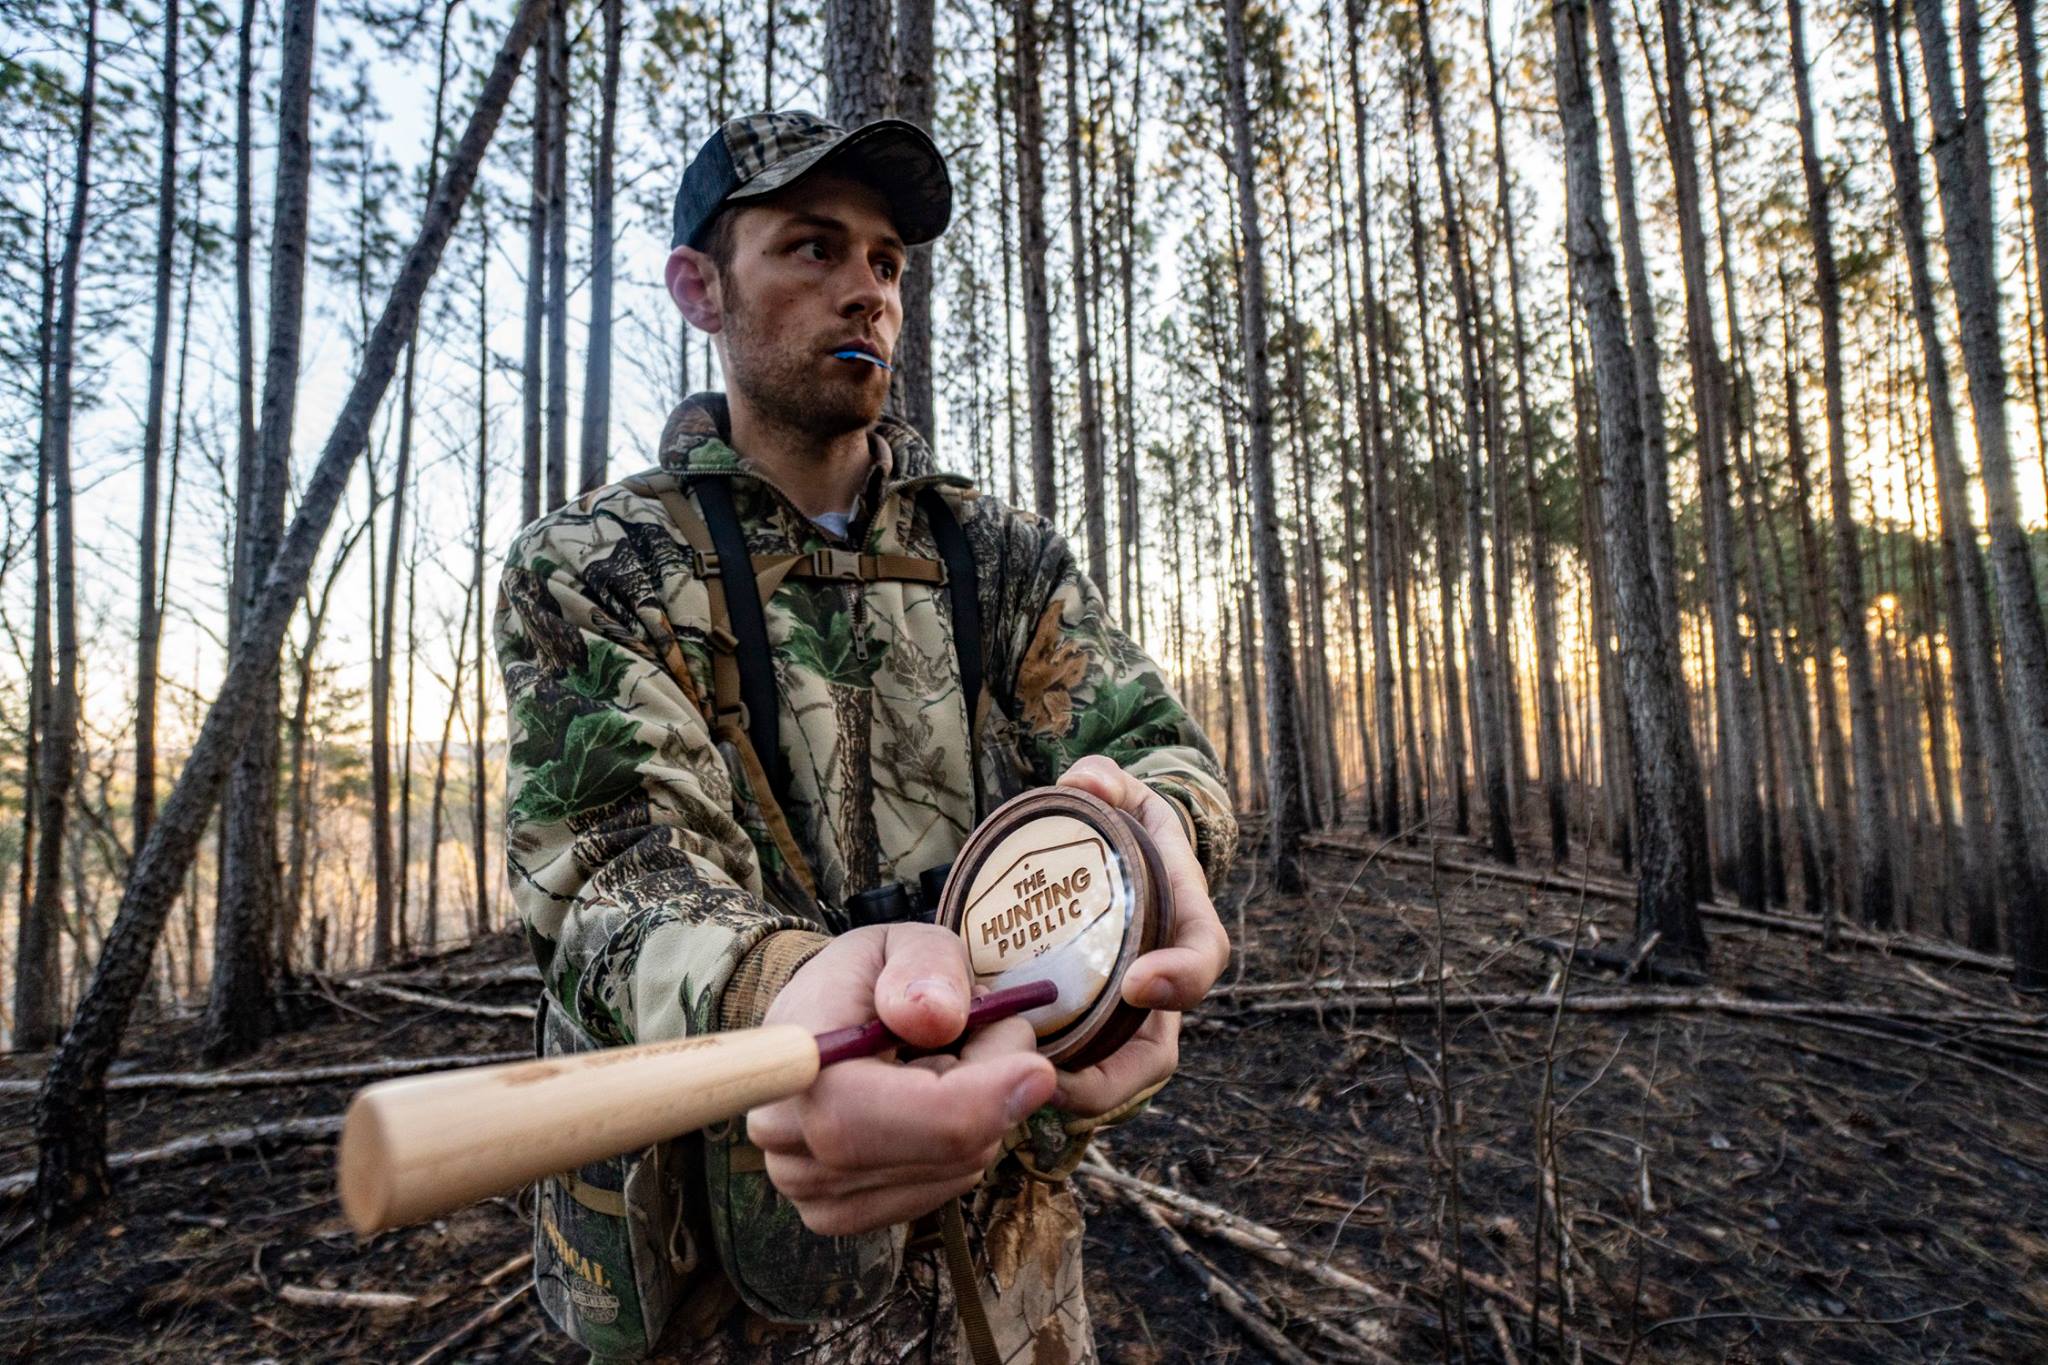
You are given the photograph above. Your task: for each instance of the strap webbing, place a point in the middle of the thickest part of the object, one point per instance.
(981, 1342)
(963, 585)
(749, 629)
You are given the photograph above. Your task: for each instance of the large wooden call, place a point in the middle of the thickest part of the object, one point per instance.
(1055, 893)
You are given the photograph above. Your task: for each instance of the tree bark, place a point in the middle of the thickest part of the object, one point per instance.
(1094, 491)
(597, 374)
(1664, 764)
(1642, 315)
(558, 255)
(1033, 244)
(860, 70)
(38, 976)
(1735, 700)
(915, 88)
(71, 1107)
(1875, 892)
(1379, 518)
(148, 623)
(1453, 728)
(531, 370)
(1550, 739)
(239, 1004)
(1491, 732)
(1994, 814)
(1283, 758)
(479, 829)
(1963, 169)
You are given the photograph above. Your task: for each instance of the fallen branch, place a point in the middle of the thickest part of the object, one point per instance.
(374, 1300)
(1632, 1002)
(1332, 985)
(1622, 963)
(1622, 893)
(471, 1326)
(1225, 1226)
(1500, 1289)
(280, 1133)
(250, 1080)
(522, 974)
(439, 1002)
(1227, 1295)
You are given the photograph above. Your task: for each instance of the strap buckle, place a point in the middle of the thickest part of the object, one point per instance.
(841, 564)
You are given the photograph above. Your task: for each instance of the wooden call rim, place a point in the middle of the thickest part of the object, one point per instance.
(1108, 1022)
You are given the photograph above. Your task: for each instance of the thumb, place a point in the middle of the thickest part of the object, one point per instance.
(922, 992)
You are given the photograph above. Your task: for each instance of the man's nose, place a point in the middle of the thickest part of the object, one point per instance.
(861, 292)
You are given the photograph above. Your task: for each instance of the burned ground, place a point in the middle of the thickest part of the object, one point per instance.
(1866, 1185)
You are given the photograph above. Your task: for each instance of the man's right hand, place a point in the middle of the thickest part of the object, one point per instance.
(874, 1142)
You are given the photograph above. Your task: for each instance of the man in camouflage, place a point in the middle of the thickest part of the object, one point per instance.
(668, 889)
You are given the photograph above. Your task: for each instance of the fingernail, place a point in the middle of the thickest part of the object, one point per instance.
(932, 991)
(1158, 995)
(1021, 1102)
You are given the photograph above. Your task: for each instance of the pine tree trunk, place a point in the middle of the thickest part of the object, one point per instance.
(1993, 812)
(1642, 315)
(914, 101)
(1963, 166)
(558, 255)
(1664, 762)
(32, 943)
(597, 373)
(38, 979)
(245, 245)
(1379, 516)
(1491, 732)
(1031, 231)
(479, 829)
(860, 70)
(1093, 491)
(71, 1107)
(1130, 516)
(148, 623)
(1734, 709)
(1283, 763)
(531, 372)
(1550, 739)
(1875, 892)
(240, 1001)
(1453, 728)
(430, 924)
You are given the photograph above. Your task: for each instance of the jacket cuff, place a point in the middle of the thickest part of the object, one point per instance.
(1178, 801)
(762, 973)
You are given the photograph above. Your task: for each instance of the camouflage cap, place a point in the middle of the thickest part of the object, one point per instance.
(754, 156)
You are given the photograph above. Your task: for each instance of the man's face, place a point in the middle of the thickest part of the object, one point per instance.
(815, 269)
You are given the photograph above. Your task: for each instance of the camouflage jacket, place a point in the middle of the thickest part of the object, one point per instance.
(654, 896)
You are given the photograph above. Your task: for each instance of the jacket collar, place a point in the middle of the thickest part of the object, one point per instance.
(697, 437)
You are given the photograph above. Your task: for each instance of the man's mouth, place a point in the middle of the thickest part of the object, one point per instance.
(857, 352)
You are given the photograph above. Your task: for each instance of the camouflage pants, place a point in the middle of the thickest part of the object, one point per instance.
(1028, 1259)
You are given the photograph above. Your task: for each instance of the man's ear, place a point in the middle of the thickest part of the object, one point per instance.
(692, 280)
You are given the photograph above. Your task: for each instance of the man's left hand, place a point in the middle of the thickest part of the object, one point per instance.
(1166, 980)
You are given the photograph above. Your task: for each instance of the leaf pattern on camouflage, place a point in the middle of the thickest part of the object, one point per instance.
(1052, 668)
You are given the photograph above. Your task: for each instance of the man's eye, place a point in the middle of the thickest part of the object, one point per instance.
(813, 247)
(890, 270)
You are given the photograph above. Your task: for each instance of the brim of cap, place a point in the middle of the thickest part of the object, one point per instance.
(897, 158)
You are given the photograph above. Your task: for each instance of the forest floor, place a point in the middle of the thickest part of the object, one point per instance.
(1831, 1157)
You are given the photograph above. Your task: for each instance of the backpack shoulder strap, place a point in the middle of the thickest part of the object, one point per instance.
(963, 585)
(749, 629)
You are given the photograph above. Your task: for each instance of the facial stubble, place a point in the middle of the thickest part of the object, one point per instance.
(779, 376)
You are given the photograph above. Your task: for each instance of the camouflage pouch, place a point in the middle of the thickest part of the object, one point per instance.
(782, 1270)
(611, 1251)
